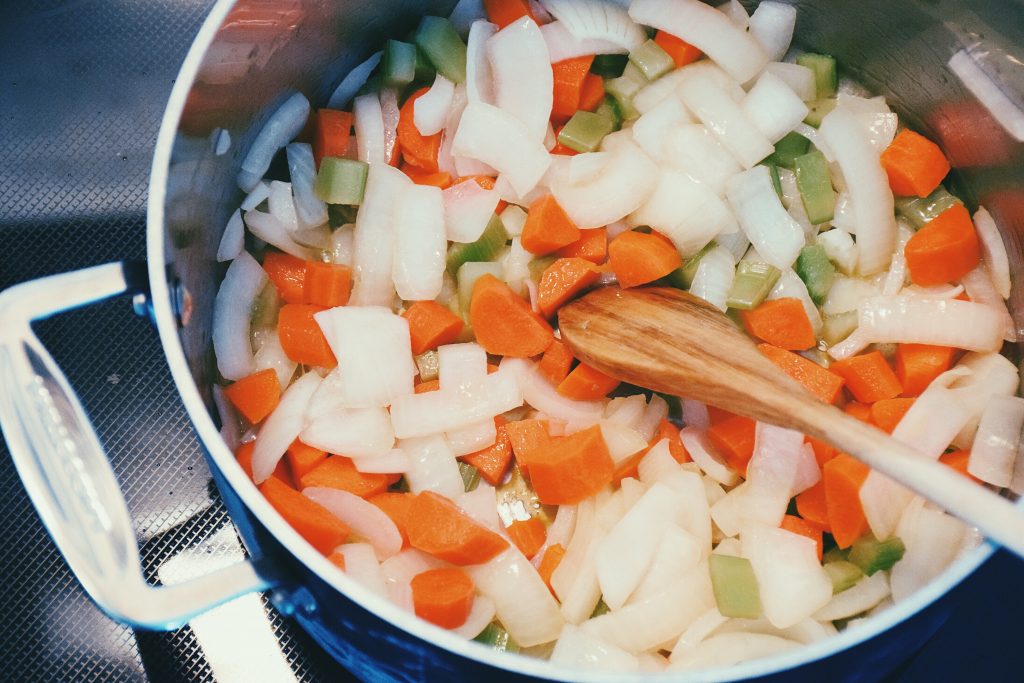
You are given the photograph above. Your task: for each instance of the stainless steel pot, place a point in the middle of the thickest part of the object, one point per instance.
(247, 57)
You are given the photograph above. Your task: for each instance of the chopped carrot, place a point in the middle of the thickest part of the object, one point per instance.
(860, 411)
(493, 461)
(958, 461)
(504, 323)
(288, 273)
(431, 325)
(437, 526)
(733, 439)
(781, 322)
(333, 128)
(527, 438)
(417, 150)
(255, 396)
(944, 250)
(667, 430)
(561, 281)
(303, 458)
(424, 387)
(637, 258)
(843, 476)
(823, 452)
(591, 246)
(571, 468)
(813, 507)
(556, 362)
(324, 531)
(569, 77)
(819, 381)
(443, 596)
(547, 227)
(339, 472)
(918, 364)
(585, 383)
(395, 505)
(549, 563)
(716, 414)
(915, 165)
(420, 177)
(528, 536)
(868, 377)
(327, 284)
(337, 558)
(888, 412)
(803, 528)
(681, 52)
(504, 12)
(301, 337)
(592, 93)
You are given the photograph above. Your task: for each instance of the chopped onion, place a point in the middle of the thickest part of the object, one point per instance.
(790, 285)
(480, 505)
(257, 196)
(694, 151)
(655, 413)
(772, 231)
(361, 566)
(480, 615)
(847, 293)
(875, 117)
(781, 463)
(697, 445)
(232, 241)
(772, 25)
(792, 584)
(395, 461)
(686, 211)
(736, 12)
(622, 441)
(472, 438)
(773, 107)
(390, 113)
(242, 283)
(374, 237)
(310, 209)
(366, 520)
(356, 432)
(343, 244)
(997, 441)
(842, 250)
(498, 139)
(446, 162)
(574, 580)
(656, 125)
(793, 202)
(479, 84)
(813, 134)
(982, 290)
(523, 79)
(514, 219)
(657, 463)
(714, 277)
(461, 366)
(432, 466)
(626, 410)
(729, 649)
(271, 356)
(563, 45)
(993, 251)
(942, 322)
(353, 82)
(578, 649)
(589, 20)
(430, 111)
(282, 427)
(932, 539)
(272, 231)
(694, 493)
(561, 530)
(369, 125)
(695, 414)
(677, 552)
(541, 394)
(281, 205)
(798, 77)
(467, 210)
(701, 628)
(415, 415)
(421, 247)
(983, 376)
(277, 131)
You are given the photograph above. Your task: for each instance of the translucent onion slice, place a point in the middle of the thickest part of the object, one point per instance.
(279, 129)
(993, 251)
(374, 237)
(578, 649)
(772, 25)
(416, 415)
(430, 111)
(791, 582)
(943, 322)
(479, 83)
(997, 441)
(363, 433)
(283, 426)
(686, 211)
(714, 277)
(242, 283)
(369, 127)
(353, 82)
(366, 520)
(421, 244)
(432, 466)
(467, 210)
(499, 139)
(273, 231)
(699, 449)
(361, 566)
(769, 227)
(232, 241)
(605, 21)
(798, 77)
(310, 209)
(523, 79)
(773, 107)
(563, 45)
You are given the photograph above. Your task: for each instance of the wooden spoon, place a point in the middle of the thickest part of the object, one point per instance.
(670, 341)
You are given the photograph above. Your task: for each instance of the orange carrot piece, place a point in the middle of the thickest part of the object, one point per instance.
(437, 526)
(860, 411)
(667, 430)
(563, 280)
(333, 129)
(716, 414)
(915, 165)
(556, 362)
(549, 563)
(396, 505)
(781, 322)
(918, 364)
(591, 246)
(443, 597)
(301, 337)
(733, 439)
(528, 536)
(527, 438)
(431, 325)
(420, 177)
(823, 452)
(585, 383)
(493, 461)
(813, 507)
(302, 458)
(547, 227)
(569, 77)
(288, 273)
(417, 150)
(958, 461)
(944, 250)
(843, 476)
(424, 387)
(819, 381)
(592, 92)
(888, 412)
(504, 12)
(571, 468)
(504, 323)
(868, 377)
(638, 258)
(327, 284)
(681, 52)
(255, 396)
(339, 472)
(803, 528)
(324, 531)
(337, 558)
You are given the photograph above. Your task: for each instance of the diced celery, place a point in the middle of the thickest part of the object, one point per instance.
(609, 109)
(624, 88)
(817, 272)
(843, 575)
(753, 282)
(491, 242)
(424, 69)
(469, 273)
(339, 215)
(601, 608)
(585, 131)
(265, 308)
(920, 210)
(815, 186)
(341, 181)
(470, 476)
(398, 65)
(835, 554)
(819, 109)
(836, 328)
(682, 277)
(497, 638)
(872, 555)
(427, 364)
(653, 61)
(443, 47)
(788, 149)
(824, 67)
(609, 66)
(735, 586)
(538, 265)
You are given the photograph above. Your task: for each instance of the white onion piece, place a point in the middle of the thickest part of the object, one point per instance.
(578, 649)
(242, 283)
(271, 356)
(272, 231)
(343, 244)
(480, 505)
(311, 210)
(282, 427)
(841, 250)
(799, 78)
(561, 530)
(432, 466)
(416, 415)
(697, 445)
(356, 432)
(772, 231)
(695, 151)
(813, 134)
(353, 81)
(714, 277)
(541, 394)
(282, 206)
(847, 293)
(794, 204)
(792, 584)
(982, 290)
(729, 649)
(875, 117)
(736, 12)
(467, 210)
(780, 462)
(943, 322)
(430, 111)
(605, 21)
(361, 565)
(369, 126)
(514, 219)
(790, 285)
(677, 552)
(472, 438)
(693, 495)
(460, 366)
(374, 237)
(563, 45)
(993, 251)
(575, 578)
(843, 217)
(983, 376)
(654, 413)
(366, 520)
(395, 461)
(707, 29)
(772, 25)
(523, 80)
(479, 84)
(390, 114)
(657, 463)
(232, 241)
(279, 129)
(622, 441)
(695, 414)
(773, 107)
(522, 601)
(445, 159)
(997, 441)
(421, 246)
(257, 196)
(626, 410)
(480, 615)
(868, 186)
(656, 125)
(686, 211)
(657, 91)
(711, 104)
(701, 628)
(499, 139)
(933, 539)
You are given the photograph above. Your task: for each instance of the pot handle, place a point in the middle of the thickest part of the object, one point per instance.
(66, 472)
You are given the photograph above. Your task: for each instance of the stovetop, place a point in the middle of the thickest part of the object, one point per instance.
(82, 89)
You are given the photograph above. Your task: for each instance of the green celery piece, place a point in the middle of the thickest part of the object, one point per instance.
(265, 308)
(601, 608)
(836, 328)
(497, 638)
(341, 181)
(424, 69)
(735, 586)
(470, 476)
(824, 67)
(609, 109)
(427, 364)
(753, 282)
(398, 65)
(585, 131)
(624, 88)
(872, 555)
(339, 215)
(920, 210)
(817, 272)
(682, 277)
(609, 66)
(491, 242)
(469, 273)
(815, 185)
(788, 149)
(652, 60)
(836, 554)
(443, 47)
(819, 109)
(538, 265)
(843, 575)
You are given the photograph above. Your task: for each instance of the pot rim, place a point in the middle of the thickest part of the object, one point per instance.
(224, 460)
